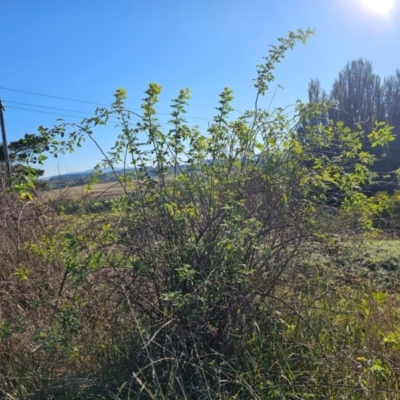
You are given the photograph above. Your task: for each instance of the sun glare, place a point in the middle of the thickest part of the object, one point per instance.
(380, 6)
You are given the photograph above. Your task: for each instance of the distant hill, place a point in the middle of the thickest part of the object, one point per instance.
(83, 177)
(83, 173)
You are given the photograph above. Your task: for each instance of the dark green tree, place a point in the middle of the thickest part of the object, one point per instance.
(357, 94)
(391, 104)
(24, 153)
(315, 92)
(360, 98)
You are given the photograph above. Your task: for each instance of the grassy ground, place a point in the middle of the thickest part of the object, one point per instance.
(70, 327)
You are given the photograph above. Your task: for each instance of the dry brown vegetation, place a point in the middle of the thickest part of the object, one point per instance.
(96, 191)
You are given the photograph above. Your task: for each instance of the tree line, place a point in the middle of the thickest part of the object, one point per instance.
(359, 98)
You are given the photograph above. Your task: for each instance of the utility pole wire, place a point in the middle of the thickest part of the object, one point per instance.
(5, 145)
(98, 104)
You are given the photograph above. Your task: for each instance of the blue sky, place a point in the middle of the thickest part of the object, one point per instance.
(85, 49)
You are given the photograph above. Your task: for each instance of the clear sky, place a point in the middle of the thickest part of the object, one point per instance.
(85, 49)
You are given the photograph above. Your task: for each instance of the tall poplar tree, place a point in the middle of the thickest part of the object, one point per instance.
(359, 97)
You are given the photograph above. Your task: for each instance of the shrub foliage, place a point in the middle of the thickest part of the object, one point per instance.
(219, 274)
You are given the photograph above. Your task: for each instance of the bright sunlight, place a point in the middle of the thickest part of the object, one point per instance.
(380, 6)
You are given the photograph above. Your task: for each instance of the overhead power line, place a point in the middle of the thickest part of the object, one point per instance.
(54, 97)
(72, 116)
(45, 112)
(51, 108)
(88, 102)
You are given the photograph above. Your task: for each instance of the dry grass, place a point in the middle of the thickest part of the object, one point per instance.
(97, 191)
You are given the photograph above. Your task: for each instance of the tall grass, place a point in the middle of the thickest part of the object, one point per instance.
(119, 324)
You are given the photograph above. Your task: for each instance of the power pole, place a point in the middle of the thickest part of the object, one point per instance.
(5, 146)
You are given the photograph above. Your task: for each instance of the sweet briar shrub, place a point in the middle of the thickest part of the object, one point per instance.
(390, 218)
(193, 285)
